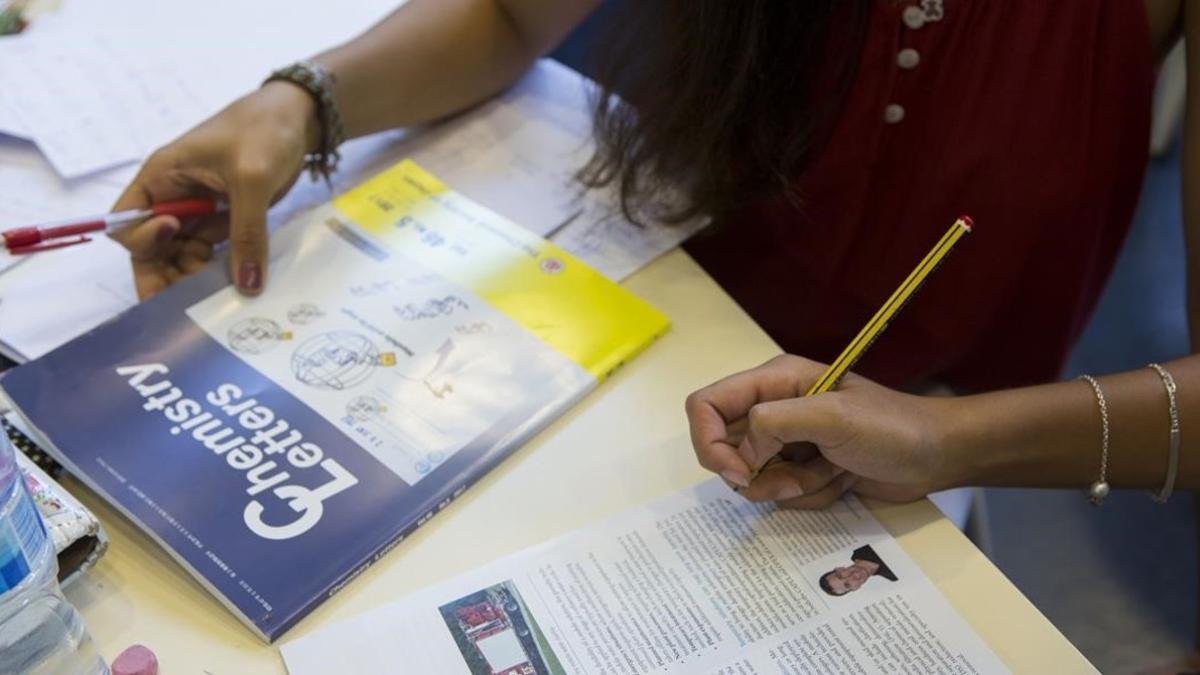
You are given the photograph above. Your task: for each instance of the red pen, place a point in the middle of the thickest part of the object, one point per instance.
(36, 238)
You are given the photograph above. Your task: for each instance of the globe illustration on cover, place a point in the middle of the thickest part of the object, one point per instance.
(256, 335)
(337, 360)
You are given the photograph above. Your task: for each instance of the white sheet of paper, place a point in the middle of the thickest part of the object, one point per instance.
(93, 102)
(55, 296)
(10, 124)
(95, 93)
(270, 31)
(518, 153)
(49, 298)
(701, 581)
(35, 195)
(606, 240)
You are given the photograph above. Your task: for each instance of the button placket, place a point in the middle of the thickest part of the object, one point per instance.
(914, 17)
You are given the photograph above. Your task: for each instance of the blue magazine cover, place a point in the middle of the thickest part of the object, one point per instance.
(409, 341)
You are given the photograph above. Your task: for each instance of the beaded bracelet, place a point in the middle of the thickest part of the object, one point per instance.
(315, 79)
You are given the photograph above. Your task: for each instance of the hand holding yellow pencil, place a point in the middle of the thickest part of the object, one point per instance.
(861, 342)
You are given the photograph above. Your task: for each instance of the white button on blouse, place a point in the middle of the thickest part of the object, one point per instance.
(908, 58)
(914, 17)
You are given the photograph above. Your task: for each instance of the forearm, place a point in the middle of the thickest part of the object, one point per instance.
(1050, 436)
(431, 58)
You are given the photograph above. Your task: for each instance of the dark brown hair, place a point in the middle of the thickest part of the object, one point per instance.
(708, 104)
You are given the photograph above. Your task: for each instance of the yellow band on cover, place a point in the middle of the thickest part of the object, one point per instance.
(593, 321)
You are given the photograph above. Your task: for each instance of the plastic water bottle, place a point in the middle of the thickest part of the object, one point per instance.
(40, 632)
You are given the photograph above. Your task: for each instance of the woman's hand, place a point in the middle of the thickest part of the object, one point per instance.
(248, 155)
(876, 441)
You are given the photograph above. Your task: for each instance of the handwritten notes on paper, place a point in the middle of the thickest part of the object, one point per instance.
(91, 103)
(518, 165)
(606, 240)
(518, 155)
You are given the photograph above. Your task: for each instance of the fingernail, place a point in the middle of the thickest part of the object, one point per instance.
(165, 232)
(735, 478)
(250, 277)
(790, 492)
(746, 452)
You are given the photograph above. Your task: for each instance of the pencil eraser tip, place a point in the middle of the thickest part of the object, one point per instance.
(967, 221)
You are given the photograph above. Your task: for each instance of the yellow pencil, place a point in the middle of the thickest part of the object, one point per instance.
(858, 346)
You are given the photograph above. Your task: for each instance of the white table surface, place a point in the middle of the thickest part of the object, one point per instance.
(624, 445)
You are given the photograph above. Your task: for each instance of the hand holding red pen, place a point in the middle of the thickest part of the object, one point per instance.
(247, 156)
(48, 236)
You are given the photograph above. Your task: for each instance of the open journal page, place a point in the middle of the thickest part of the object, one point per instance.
(699, 582)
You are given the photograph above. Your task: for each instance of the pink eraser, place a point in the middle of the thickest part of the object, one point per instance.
(136, 660)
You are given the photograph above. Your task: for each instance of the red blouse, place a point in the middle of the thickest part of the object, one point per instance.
(1033, 117)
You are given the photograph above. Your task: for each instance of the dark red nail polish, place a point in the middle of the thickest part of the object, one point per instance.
(165, 232)
(250, 277)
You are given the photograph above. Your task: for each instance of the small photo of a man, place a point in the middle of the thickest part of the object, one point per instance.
(864, 564)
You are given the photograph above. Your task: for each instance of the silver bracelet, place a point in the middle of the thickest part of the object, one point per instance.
(1173, 440)
(1099, 490)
